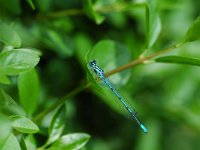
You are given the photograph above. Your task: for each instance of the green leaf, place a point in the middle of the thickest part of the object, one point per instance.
(29, 90)
(4, 79)
(24, 125)
(110, 55)
(11, 143)
(72, 141)
(89, 9)
(153, 23)
(57, 125)
(179, 60)
(9, 36)
(5, 127)
(17, 61)
(31, 4)
(9, 105)
(193, 32)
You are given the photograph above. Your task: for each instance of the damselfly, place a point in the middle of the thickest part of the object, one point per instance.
(100, 74)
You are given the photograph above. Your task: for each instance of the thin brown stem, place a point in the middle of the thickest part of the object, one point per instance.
(115, 7)
(141, 60)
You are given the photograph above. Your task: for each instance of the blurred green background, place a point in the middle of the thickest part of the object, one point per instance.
(166, 96)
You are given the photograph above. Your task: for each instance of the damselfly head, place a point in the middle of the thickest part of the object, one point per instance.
(92, 63)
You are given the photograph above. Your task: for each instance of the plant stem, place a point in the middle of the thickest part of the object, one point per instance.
(142, 60)
(118, 7)
(121, 68)
(115, 7)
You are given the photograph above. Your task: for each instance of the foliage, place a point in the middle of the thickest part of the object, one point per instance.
(45, 47)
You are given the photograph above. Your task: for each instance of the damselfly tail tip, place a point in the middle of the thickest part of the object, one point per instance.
(144, 128)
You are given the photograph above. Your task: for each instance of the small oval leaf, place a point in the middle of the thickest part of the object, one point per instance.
(28, 85)
(110, 55)
(24, 125)
(9, 105)
(153, 23)
(73, 141)
(179, 60)
(57, 125)
(18, 60)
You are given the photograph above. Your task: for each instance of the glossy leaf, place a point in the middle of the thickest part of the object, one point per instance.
(88, 6)
(110, 55)
(193, 32)
(11, 143)
(179, 60)
(9, 36)
(24, 125)
(17, 61)
(72, 141)
(57, 125)
(153, 23)
(4, 79)
(28, 85)
(9, 105)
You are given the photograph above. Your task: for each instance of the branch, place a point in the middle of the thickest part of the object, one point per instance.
(115, 7)
(141, 60)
